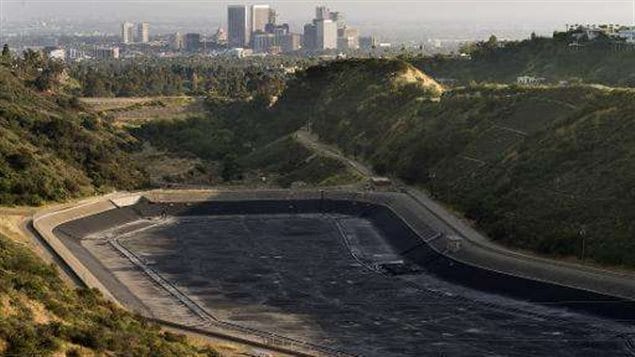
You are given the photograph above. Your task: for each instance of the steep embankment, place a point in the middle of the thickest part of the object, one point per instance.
(40, 315)
(52, 150)
(287, 162)
(541, 169)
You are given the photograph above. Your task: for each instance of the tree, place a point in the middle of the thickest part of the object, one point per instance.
(6, 53)
(492, 42)
(230, 167)
(5, 59)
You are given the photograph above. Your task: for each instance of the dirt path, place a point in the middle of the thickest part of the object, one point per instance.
(310, 141)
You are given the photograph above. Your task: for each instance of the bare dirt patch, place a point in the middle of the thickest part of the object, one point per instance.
(136, 111)
(164, 169)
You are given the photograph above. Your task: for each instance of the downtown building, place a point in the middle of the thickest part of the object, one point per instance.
(261, 16)
(127, 32)
(143, 32)
(238, 26)
(192, 42)
(276, 39)
(328, 31)
(129, 35)
(256, 27)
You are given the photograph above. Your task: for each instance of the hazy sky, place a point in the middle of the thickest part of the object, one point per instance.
(523, 14)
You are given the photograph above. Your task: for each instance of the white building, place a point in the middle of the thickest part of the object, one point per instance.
(143, 32)
(178, 42)
(56, 53)
(239, 52)
(627, 34)
(127, 32)
(260, 17)
(347, 38)
(530, 80)
(326, 34)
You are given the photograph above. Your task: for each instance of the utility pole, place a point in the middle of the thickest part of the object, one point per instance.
(582, 234)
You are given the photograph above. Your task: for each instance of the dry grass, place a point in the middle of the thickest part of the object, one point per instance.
(164, 169)
(135, 111)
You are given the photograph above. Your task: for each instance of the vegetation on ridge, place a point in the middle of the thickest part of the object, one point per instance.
(51, 148)
(536, 168)
(560, 58)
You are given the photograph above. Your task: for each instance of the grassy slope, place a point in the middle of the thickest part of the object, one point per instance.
(533, 167)
(289, 162)
(40, 315)
(52, 150)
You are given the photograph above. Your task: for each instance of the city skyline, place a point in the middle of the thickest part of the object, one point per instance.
(526, 13)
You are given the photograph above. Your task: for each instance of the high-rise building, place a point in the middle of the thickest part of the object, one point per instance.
(127, 32)
(347, 38)
(261, 15)
(290, 42)
(368, 42)
(309, 41)
(329, 31)
(192, 42)
(263, 42)
(277, 29)
(178, 42)
(322, 13)
(326, 38)
(238, 28)
(338, 18)
(143, 32)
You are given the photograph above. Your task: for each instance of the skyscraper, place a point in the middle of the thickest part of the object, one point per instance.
(127, 32)
(143, 32)
(178, 42)
(322, 13)
(238, 28)
(326, 34)
(260, 16)
(347, 38)
(309, 40)
(329, 31)
(192, 42)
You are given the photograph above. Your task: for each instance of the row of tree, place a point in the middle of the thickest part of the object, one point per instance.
(186, 76)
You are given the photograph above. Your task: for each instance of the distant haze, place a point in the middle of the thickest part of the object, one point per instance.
(391, 16)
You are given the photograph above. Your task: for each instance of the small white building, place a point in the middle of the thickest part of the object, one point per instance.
(530, 80)
(627, 34)
(57, 53)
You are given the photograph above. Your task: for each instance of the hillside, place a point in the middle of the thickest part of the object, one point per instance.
(287, 162)
(40, 315)
(51, 149)
(552, 58)
(359, 97)
(538, 169)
